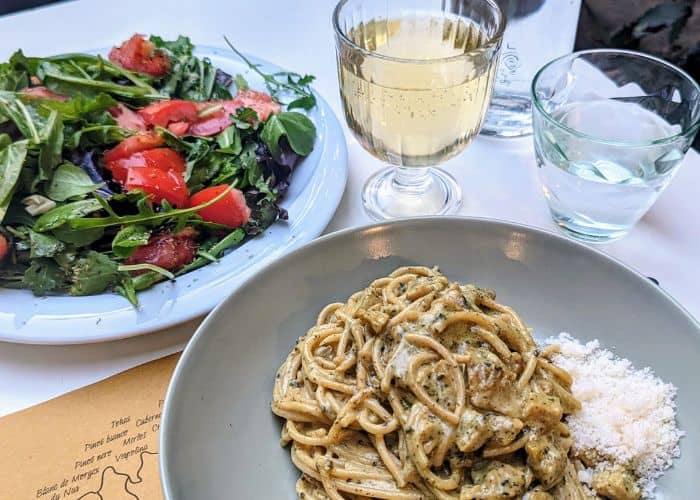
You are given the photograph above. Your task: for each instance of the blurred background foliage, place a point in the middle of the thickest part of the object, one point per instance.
(666, 28)
(669, 29)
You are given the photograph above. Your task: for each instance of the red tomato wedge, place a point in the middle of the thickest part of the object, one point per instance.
(161, 158)
(158, 184)
(4, 248)
(127, 118)
(231, 210)
(261, 102)
(217, 121)
(139, 54)
(44, 93)
(211, 125)
(162, 113)
(169, 251)
(179, 128)
(133, 144)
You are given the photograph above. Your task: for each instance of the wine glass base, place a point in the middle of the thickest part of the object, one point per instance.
(437, 193)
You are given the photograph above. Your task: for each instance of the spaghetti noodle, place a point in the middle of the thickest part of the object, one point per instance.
(418, 387)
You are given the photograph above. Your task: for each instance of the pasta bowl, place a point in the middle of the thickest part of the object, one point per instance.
(219, 439)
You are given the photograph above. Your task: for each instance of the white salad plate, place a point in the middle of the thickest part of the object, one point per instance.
(219, 439)
(315, 190)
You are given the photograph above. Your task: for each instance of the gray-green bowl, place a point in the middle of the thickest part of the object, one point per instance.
(219, 439)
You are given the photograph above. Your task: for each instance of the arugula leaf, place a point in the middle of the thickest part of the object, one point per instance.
(78, 238)
(20, 62)
(52, 146)
(229, 141)
(81, 65)
(58, 79)
(11, 160)
(93, 274)
(230, 240)
(70, 181)
(64, 213)
(296, 127)
(97, 135)
(12, 79)
(43, 245)
(128, 239)
(190, 77)
(145, 266)
(126, 289)
(264, 213)
(206, 168)
(141, 218)
(246, 118)
(180, 47)
(240, 82)
(304, 102)
(25, 117)
(79, 105)
(233, 171)
(43, 276)
(283, 83)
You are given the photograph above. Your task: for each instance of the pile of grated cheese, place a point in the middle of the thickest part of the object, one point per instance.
(627, 415)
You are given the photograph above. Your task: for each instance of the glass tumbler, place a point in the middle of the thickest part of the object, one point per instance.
(415, 81)
(537, 32)
(611, 128)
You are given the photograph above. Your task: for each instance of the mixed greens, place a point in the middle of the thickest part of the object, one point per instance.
(118, 173)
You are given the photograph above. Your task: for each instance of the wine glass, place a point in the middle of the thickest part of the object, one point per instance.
(415, 80)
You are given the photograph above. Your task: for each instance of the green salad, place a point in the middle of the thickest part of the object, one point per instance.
(118, 173)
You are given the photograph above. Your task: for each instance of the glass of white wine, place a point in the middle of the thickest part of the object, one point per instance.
(415, 79)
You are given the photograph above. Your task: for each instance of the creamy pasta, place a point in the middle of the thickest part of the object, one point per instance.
(417, 388)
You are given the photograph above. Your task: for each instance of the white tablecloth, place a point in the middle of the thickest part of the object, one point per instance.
(498, 176)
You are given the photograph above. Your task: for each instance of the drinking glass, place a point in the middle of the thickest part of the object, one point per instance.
(611, 128)
(415, 80)
(529, 42)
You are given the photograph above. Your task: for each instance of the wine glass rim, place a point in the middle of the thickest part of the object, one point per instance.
(492, 40)
(688, 130)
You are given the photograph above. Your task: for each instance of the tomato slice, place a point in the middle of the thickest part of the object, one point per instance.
(158, 184)
(44, 93)
(179, 128)
(139, 54)
(133, 144)
(127, 118)
(162, 113)
(231, 210)
(217, 121)
(166, 250)
(161, 158)
(211, 125)
(261, 102)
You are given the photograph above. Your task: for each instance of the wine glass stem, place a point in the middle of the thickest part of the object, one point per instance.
(413, 180)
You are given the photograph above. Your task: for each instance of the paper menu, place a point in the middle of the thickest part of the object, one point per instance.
(96, 443)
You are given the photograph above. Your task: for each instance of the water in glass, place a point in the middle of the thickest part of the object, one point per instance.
(600, 189)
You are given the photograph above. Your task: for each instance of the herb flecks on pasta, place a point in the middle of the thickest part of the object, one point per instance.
(418, 387)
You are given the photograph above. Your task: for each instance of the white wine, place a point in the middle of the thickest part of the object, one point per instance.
(412, 96)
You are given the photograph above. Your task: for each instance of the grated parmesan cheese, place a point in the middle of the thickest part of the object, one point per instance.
(628, 416)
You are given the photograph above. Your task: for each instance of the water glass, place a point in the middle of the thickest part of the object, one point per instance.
(611, 128)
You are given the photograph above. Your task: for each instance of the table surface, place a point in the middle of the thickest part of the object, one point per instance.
(497, 175)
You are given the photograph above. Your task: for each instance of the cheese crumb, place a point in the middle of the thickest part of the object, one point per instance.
(628, 416)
